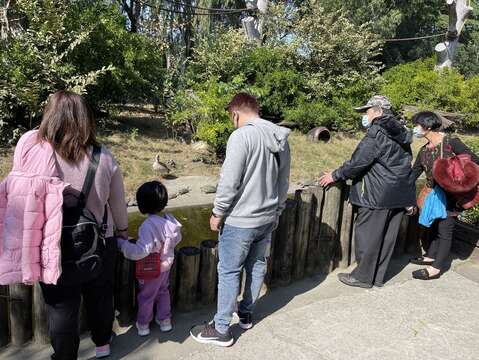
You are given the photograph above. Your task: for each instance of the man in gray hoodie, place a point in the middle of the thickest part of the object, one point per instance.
(251, 195)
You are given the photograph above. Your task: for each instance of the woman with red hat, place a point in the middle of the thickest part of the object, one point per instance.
(433, 160)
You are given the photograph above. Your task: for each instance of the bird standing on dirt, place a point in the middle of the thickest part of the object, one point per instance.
(160, 167)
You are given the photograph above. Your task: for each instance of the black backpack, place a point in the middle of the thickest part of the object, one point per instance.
(82, 239)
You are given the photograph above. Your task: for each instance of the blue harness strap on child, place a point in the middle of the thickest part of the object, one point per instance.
(434, 207)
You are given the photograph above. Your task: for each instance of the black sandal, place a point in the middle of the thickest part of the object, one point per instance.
(423, 274)
(420, 261)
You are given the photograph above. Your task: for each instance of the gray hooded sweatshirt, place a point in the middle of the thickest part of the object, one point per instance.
(254, 179)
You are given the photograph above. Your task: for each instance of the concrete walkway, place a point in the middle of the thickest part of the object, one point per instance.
(319, 318)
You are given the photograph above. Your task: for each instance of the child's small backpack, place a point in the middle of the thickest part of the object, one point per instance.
(149, 267)
(83, 239)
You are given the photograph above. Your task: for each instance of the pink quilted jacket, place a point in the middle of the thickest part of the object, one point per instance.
(31, 199)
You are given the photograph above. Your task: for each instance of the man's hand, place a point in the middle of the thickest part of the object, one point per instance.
(326, 179)
(215, 223)
(411, 210)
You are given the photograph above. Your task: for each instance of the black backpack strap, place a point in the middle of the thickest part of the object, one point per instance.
(104, 223)
(90, 175)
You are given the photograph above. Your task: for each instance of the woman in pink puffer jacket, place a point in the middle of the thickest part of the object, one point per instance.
(50, 165)
(31, 199)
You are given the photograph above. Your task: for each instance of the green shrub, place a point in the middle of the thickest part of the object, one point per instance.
(202, 110)
(472, 216)
(216, 134)
(308, 115)
(417, 83)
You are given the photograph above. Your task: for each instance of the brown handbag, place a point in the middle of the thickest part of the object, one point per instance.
(422, 196)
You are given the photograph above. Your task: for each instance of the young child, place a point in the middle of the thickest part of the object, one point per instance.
(158, 234)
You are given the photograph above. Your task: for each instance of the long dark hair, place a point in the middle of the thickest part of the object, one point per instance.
(68, 124)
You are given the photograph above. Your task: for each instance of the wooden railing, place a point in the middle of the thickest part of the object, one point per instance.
(315, 236)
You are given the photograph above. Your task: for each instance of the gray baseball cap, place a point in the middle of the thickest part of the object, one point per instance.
(377, 100)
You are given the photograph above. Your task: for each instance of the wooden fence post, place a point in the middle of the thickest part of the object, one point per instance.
(188, 271)
(40, 317)
(4, 334)
(269, 277)
(208, 271)
(20, 313)
(346, 230)
(352, 252)
(174, 280)
(329, 231)
(284, 245)
(304, 200)
(315, 224)
(126, 293)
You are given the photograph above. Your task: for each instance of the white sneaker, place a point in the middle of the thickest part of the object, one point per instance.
(102, 351)
(165, 325)
(143, 330)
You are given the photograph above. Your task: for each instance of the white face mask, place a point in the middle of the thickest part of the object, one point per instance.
(418, 132)
(365, 121)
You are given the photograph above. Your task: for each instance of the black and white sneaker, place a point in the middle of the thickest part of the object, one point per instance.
(245, 320)
(207, 334)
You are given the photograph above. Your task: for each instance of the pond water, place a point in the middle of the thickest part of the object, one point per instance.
(195, 221)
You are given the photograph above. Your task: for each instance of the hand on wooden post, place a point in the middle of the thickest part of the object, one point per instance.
(326, 179)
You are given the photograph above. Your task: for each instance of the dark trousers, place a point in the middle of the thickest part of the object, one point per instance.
(440, 246)
(376, 232)
(63, 303)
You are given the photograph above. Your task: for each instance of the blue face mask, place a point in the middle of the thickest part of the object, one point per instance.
(365, 121)
(418, 132)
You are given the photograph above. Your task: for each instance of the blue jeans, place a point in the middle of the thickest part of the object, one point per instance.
(238, 248)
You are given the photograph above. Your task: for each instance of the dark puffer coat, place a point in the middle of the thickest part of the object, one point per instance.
(381, 167)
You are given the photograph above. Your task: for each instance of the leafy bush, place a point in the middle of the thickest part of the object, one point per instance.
(216, 134)
(472, 216)
(202, 109)
(36, 63)
(417, 83)
(314, 78)
(138, 60)
(83, 47)
(336, 115)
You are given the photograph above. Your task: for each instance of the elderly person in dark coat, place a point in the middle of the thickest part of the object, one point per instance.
(383, 187)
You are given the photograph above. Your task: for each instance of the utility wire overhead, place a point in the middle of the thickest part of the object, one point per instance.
(210, 13)
(416, 38)
(205, 8)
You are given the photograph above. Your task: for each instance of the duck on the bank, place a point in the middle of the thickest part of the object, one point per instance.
(160, 167)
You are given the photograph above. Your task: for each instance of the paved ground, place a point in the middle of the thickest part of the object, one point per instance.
(319, 318)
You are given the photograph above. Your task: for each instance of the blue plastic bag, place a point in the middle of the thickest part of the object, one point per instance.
(434, 207)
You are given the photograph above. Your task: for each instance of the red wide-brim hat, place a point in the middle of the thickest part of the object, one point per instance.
(456, 175)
